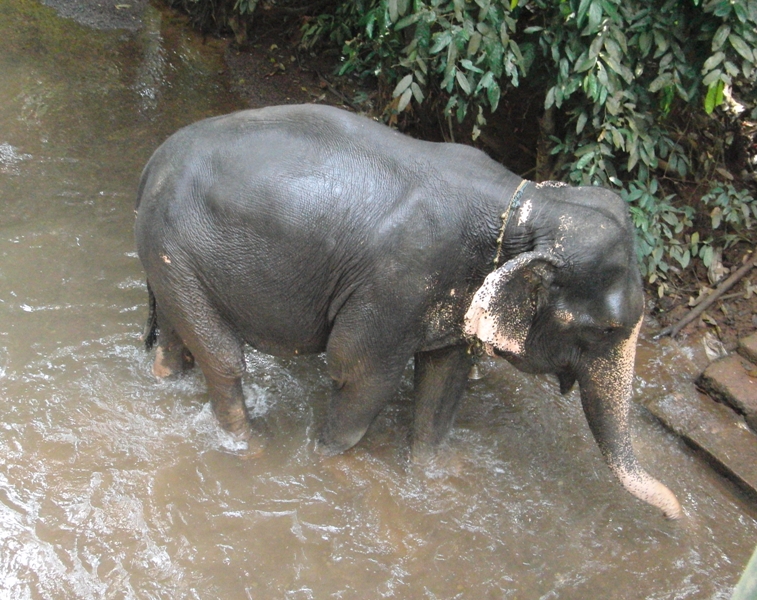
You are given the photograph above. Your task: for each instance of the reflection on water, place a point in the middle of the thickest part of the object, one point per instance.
(113, 485)
(9, 158)
(151, 70)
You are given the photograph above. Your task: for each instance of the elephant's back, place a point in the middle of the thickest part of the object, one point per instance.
(306, 160)
(284, 212)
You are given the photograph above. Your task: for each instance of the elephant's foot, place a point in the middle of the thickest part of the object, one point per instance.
(171, 361)
(254, 435)
(422, 454)
(435, 464)
(327, 449)
(329, 444)
(256, 446)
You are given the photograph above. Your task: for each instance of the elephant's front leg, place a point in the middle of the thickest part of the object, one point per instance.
(440, 380)
(353, 407)
(366, 362)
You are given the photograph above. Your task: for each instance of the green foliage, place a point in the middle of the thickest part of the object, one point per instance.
(245, 7)
(633, 81)
(659, 225)
(464, 50)
(734, 210)
(364, 31)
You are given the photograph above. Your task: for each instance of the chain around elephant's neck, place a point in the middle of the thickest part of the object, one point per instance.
(505, 217)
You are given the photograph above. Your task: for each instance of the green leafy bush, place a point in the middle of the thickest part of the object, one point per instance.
(631, 82)
(735, 210)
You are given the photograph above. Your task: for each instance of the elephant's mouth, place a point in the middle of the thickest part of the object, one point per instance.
(567, 380)
(565, 375)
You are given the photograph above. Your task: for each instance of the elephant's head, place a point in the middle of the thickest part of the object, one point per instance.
(572, 305)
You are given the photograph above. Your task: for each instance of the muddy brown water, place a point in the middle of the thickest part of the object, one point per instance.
(113, 485)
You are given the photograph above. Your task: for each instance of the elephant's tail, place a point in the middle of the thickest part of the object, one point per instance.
(150, 334)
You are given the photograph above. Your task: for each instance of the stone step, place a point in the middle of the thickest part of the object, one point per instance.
(748, 347)
(733, 380)
(715, 430)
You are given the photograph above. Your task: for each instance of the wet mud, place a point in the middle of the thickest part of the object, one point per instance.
(115, 485)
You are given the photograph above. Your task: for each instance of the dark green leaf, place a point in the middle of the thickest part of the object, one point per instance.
(467, 64)
(417, 92)
(393, 10)
(451, 103)
(591, 86)
(585, 64)
(583, 8)
(595, 17)
(584, 160)
(712, 77)
(474, 43)
(581, 123)
(741, 47)
(485, 81)
(441, 41)
(462, 110)
(645, 42)
(549, 100)
(407, 21)
(463, 82)
(713, 61)
(660, 82)
(721, 35)
(403, 84)
(493, 95)
(404, 100)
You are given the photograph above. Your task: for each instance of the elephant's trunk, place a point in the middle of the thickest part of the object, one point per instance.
(606, 389)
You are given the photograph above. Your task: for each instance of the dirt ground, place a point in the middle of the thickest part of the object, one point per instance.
(732, 317)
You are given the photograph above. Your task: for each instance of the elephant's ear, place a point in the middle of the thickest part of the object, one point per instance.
(504, 307)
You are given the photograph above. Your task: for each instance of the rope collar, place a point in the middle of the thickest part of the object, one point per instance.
(505, 217)
(475, 346)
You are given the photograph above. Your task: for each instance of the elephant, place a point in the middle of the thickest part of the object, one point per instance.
(308, 229)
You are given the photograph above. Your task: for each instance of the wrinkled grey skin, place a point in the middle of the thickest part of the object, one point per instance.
(302, 229)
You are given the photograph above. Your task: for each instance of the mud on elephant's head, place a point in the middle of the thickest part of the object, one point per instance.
(571, 305)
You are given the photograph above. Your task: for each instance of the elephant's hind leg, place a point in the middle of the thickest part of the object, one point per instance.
(220, 355)
(203, 334)
(172, 357)
(440, 380)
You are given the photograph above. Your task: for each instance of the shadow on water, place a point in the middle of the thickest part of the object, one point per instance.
(113, 485)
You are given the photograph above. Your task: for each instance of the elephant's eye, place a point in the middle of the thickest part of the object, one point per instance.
(601, 334)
